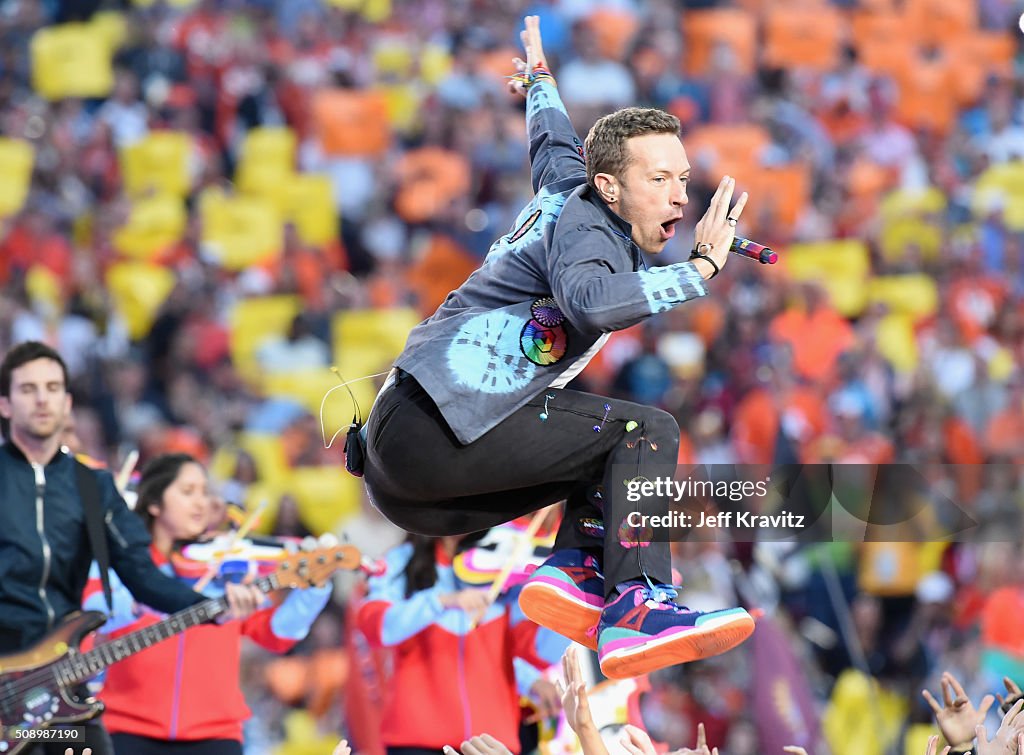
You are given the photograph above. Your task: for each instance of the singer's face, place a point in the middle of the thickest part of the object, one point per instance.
(653, 189)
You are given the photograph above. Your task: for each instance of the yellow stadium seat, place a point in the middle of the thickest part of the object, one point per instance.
(903, 202)
(158, 163)
(326, 496)
(112, 26)
(240, 231)
(307, 200)
(267, 158)
(899, 235)
(862, 717)
(842, 267)
(268, 453)
(916, 740)
(403, 106)
(370, 337)
(313, 389)
(1001, 186)
(71, 60)
(138, 290)
(44, 289)
(914, 295)
(435, 64)
(154, 224)
(896, 342)
(252, 321)
(17, 158)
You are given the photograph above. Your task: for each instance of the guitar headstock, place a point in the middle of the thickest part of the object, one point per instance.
(315, 567)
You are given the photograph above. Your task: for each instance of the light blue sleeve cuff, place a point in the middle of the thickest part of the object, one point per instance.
(293, 618)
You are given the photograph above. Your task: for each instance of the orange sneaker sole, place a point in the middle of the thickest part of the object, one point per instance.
(551, 608)
(686, 647)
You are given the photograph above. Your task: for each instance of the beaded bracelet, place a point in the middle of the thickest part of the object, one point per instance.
(538, 73)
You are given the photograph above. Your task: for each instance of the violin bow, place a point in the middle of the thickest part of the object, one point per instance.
(125, 475)
(248, 524)
(523, 541)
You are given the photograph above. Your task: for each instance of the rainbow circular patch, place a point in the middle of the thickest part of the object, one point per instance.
(546, 312)
(543, 345)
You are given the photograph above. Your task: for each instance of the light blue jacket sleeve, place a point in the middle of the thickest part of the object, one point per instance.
(388, 617)
(296, 614)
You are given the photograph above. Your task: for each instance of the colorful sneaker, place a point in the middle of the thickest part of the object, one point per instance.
(566, 595)
(642, 630)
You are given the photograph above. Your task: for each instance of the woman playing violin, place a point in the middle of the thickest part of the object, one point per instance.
(183, 694)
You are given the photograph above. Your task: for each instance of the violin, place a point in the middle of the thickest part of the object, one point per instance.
(503, 549)
(229, 558)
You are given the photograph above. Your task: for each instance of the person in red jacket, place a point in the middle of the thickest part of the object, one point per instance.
(460, 662)
(183, 695)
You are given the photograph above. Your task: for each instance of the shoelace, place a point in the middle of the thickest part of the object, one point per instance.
(662, 593)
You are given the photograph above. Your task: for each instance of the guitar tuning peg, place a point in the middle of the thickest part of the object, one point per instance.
(328, 540)
(309, 543)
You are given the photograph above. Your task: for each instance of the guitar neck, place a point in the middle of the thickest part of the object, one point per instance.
(79, 667)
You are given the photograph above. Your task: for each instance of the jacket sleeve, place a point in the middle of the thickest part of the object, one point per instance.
(387, 618)
(535, 645)
(280, 627)
(128, 542)
(556, 152)
(595, 298)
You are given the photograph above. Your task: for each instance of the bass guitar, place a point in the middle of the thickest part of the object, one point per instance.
(37, 685)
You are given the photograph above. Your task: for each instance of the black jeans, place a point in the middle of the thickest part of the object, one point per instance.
(130, 744)
(422, 479)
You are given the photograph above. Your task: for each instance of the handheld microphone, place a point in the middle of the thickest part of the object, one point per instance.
(753, 250)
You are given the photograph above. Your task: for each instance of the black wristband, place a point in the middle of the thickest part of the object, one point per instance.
(695, 255)
(959, 751)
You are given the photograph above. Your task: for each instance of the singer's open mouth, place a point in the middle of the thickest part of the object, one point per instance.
(668, 228)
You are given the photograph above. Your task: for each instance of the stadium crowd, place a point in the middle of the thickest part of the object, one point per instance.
(206, 204)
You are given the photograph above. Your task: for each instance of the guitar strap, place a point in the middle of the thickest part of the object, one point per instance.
(89, 492)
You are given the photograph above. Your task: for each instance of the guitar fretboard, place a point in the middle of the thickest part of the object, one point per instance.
(78, 667)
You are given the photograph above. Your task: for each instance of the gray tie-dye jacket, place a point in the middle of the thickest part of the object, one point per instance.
(537, 308)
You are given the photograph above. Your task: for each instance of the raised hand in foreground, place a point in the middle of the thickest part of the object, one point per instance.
(931, 749)
(342, 748)
(957, 718)
(1009, 739)
(484, 744)
(573, 690)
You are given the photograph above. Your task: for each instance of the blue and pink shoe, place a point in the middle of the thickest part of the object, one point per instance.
(642, 630)
(566, 595)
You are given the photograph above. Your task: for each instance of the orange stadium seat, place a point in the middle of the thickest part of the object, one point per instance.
(430, 178)
(941, 22)
(781, 192)
(803, 37)
(351, 122)
(731, 150)
(614, 30)
(705, 30)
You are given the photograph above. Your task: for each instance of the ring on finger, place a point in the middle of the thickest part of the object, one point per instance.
(731, 221)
